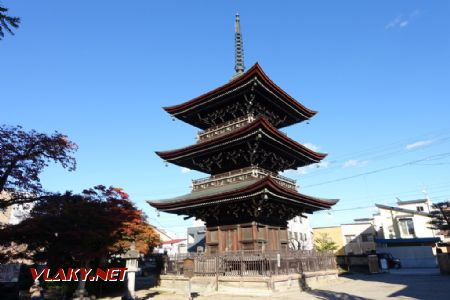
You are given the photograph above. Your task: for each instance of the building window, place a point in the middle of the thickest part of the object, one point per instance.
(191, 238)
(367, 237)
(419, 208)
(406, 226)
(350, 239)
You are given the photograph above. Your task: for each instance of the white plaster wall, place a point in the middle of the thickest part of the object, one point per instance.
(301, 225)
(421, 226)
(426, 206)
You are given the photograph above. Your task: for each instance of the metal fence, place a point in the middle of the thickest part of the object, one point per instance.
(249, 263)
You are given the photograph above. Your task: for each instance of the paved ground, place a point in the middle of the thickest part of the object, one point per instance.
(404, 284)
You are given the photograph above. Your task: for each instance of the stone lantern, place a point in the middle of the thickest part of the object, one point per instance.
(131, 258)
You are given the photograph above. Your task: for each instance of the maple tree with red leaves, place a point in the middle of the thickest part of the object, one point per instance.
(67, 230)
(23, 156)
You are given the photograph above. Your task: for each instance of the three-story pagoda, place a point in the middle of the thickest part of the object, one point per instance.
(245, 203)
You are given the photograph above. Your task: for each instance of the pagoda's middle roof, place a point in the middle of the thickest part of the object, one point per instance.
(258, 143)
(229, 101)
(240, 192)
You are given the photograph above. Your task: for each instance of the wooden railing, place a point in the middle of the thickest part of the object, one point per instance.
(243, 174)
(251, 263)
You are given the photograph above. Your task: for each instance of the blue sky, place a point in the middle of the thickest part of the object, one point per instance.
(99, 71)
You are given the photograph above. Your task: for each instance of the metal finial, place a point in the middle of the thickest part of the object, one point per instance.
(239, 49)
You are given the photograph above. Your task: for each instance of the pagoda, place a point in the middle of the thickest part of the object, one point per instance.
(245, 203)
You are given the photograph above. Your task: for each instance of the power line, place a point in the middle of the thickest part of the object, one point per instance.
(378, 171)
(337, 164)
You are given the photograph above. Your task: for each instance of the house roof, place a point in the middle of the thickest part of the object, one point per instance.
(363, 220)
(417, 201)
(172, 241)
(404, 210)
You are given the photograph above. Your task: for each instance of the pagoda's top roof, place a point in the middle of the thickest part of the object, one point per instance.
(239, 192)
(271, 99)
(238, 141)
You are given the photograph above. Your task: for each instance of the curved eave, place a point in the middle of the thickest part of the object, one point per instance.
(259, 124)
(255, 70)
(265, 185)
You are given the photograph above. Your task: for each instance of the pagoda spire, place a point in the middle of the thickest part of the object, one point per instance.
(238, 48)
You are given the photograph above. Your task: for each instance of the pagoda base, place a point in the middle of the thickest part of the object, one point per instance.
(251, 236)
(261, 286)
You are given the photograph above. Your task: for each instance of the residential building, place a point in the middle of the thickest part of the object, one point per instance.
(407, 220)
(352, 238)
(300, 234)
(196, 239)
(359, 238)
(14, 214)
(170, 243)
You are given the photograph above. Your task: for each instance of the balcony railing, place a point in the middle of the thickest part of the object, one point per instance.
(249, 173)
(224, 128)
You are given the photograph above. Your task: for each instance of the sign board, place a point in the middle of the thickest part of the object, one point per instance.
(373, 264)
(383, 264)
(188, 267)
(9, 273)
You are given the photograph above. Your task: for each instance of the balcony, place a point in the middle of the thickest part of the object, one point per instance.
(224, 128)
(249, 173)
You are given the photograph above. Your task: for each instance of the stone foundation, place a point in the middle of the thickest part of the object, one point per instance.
(247, 285)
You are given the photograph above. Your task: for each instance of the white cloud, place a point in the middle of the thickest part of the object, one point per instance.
(185, 170)
(311, 146)
(402, 21)
(403, 24)
(354, 163)
(418, 144)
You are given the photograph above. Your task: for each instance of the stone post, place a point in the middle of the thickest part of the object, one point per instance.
(131, 258)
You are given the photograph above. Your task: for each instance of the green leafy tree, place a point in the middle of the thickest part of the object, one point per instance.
(23, 156)
(7, 22)
(325, 243)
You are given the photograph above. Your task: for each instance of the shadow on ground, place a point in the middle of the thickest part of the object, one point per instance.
(418, 286)
(329, 295)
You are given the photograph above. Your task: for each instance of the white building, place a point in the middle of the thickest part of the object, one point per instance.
(407, 220)
(170, 243)
(14, 214)
(300, 234)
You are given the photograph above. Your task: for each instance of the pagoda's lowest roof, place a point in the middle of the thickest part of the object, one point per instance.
(288, 109)
(239, 192)
(228, 151)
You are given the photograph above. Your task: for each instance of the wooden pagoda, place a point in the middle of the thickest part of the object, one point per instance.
(245, 203)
